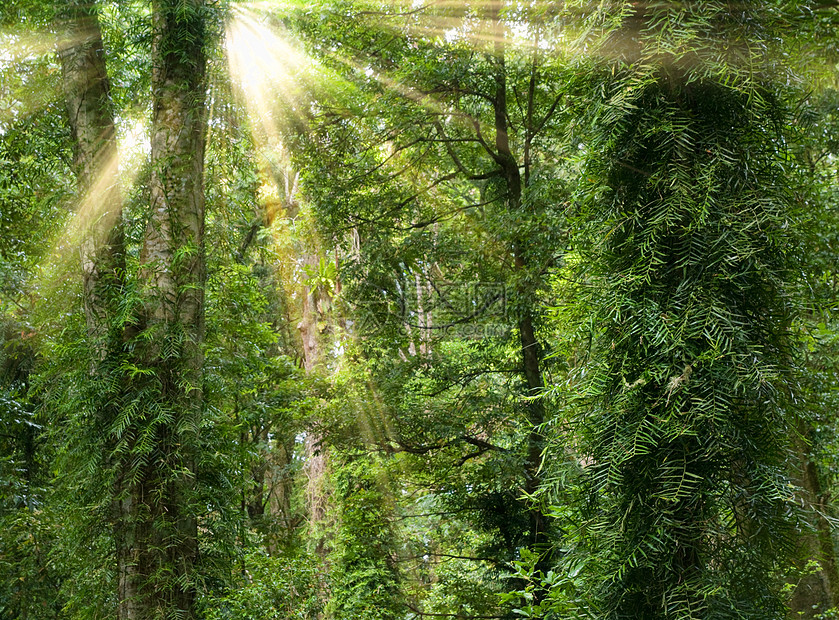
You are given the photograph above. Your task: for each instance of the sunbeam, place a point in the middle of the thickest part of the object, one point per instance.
(17, 47)
(97, 211)
(275, 81)
(269, 72)
(25, 88)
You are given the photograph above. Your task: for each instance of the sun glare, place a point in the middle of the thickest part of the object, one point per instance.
(269, 72)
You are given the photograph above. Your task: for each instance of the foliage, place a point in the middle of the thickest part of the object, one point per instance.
(502, 313)
(273, 588)
(689, 205)
(364, 581)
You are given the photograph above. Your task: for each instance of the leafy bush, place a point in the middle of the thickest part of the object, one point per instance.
(284, 587)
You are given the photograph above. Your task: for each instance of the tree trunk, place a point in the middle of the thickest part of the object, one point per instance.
(96, 163)
(280, 487)
(817, 591)
(308, 325)
(530, 347)
(99, 217)
(158, 517)
(316, 461)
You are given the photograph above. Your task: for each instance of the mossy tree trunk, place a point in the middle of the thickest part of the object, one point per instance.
(99, 210)
(159, 513)
(818, 589)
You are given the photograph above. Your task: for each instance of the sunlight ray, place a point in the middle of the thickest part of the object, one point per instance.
(97, 211)
(29, 100)
(94, 206)
(275, 81)
(272, 76)
(422, 99)
(23, 92)
(16, 47)
(446, 22)
(269, 73)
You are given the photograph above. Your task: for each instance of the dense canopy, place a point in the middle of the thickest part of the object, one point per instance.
(391, 309)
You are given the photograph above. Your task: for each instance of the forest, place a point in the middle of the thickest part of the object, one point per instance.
(419, 309)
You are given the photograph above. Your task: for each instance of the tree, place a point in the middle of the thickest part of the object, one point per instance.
(157, 510)
(96, 162)
(441, 163)
(692, 211)
(140, 398)
(816, 576)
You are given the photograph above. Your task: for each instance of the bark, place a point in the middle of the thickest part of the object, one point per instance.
(308, 325)
(281, 487)
(317, 498)
(89, 111)
(316, 460)
(158, 518)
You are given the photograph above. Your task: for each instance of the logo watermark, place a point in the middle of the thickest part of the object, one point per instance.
(427, 310)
